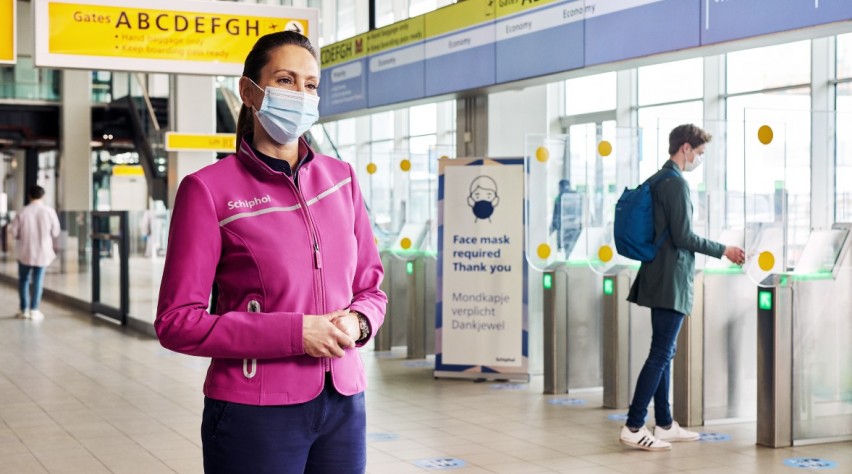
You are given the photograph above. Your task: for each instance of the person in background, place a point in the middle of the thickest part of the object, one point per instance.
(284, 234)
(567, 219)
(665, 285)
(35, 229)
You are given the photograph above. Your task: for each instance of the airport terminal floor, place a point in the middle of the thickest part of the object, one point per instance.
(80, 395)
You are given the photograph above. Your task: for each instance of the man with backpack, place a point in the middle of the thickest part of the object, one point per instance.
(664, 284)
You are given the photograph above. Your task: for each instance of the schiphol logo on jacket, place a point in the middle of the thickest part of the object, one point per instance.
(249, 204)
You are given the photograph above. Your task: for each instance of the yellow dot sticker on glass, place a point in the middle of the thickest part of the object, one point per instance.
(371, 168)
(405, 165)
(542, 154)
(405, 243)
(605, 148)
(605, 253)
(766, 261)
(543, 251)
(765, 134)
(445, 157)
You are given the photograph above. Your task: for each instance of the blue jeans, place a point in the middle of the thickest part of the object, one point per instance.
(655, 377)
(327, 435)
(24, 272)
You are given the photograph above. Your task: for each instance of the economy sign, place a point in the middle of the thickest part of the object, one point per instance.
(176, 36)
(7, 31)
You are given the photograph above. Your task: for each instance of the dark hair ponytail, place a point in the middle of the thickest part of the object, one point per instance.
(256, 60)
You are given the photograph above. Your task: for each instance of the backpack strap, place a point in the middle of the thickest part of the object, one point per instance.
(651, 182)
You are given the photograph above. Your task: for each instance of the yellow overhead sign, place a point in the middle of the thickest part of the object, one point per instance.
(219, 142)
(127, 170)
(174, 36)
(509, 7)
(344, 51)
(7, 31)
(396, 35)
(458, 16)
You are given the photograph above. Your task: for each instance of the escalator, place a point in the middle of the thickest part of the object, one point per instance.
(136, 124)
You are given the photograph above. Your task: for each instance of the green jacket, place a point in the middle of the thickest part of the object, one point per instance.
(666, 282)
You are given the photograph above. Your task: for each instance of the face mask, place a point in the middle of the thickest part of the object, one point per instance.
(483, 209)
(695, 163)
(286, 115)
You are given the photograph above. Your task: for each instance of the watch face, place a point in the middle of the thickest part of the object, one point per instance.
(364, 326)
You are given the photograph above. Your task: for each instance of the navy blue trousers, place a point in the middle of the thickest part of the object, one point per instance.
(327, 435)
(656, 374)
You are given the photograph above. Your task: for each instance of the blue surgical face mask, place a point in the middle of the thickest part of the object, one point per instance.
(286, 115)
(695, 163)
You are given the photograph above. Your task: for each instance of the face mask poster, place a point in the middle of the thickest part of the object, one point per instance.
(481, 267)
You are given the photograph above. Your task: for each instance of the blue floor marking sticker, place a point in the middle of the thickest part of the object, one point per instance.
(567, 402)
(621, 417)
(419, 364)
(810, 463)
(440, 463)
(508, 386)
(713, 437)
(382, 436)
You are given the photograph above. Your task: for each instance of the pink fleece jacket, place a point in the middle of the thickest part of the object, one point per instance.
(277, 253)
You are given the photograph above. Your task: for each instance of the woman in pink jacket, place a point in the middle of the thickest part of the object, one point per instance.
(284, 234)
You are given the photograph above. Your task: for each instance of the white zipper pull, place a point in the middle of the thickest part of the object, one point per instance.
(253, 307)
(317, 256)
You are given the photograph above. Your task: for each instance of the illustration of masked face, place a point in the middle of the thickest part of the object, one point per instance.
(483, 201)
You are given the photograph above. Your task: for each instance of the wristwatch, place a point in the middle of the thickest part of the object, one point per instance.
(364, 325)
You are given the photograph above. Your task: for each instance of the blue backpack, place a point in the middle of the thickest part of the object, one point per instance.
(634, 222)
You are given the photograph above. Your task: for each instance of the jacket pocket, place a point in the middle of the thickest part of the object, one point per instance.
(250, 365)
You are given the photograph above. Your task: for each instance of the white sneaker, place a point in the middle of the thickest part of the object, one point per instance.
(36, 315)
(675, 433)
(23, 314)
(642, 439)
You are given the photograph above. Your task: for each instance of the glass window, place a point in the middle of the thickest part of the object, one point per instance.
(590, 94)
(843, 178)
(384, 13)
(345, 132)
(419, 7)
(423, 198)
(423, 119)
(671, 82)
(844, 56)
(346, 27)
(381, 126)
(656, 123)
(381, 201)
(770, 67)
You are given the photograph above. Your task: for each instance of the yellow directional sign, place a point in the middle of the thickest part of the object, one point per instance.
(127, 170)
(7, 31)
(219, 142)
(175, 36)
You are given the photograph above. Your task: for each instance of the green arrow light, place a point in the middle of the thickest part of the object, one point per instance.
(608, 286)
(764, 300)
(409, 267)
(548, 281)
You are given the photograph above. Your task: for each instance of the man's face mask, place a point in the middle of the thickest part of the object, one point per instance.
(697, 159)
(286, 115)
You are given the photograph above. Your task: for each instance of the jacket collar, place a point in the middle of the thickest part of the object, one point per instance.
(249, 159)
(671, 165)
